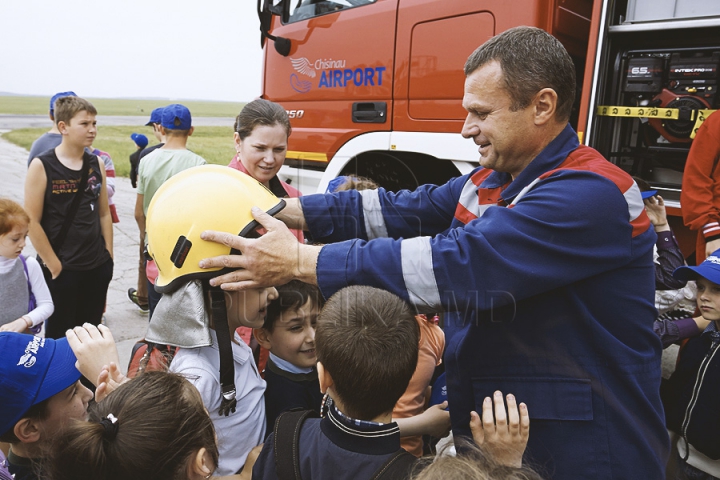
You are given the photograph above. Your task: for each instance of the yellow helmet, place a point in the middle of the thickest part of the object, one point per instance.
(208, 197)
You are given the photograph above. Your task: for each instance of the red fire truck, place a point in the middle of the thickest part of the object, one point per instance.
(374, 87)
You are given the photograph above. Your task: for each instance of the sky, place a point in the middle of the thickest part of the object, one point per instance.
(175, 49)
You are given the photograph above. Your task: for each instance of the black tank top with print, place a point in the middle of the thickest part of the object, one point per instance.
(84, 246)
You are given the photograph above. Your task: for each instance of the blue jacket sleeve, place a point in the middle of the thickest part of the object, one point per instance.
(428, 210)
(570, 226)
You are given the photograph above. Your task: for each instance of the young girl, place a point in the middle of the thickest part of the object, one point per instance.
(154, 427)
(19, 277)
(201, 320)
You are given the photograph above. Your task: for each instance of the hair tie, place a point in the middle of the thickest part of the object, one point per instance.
(110, 425)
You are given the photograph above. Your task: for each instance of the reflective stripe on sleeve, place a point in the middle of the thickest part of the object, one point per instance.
(633, 197)
(372, 211)
(418, 273)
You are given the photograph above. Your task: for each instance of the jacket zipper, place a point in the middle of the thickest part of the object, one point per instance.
(696, 388)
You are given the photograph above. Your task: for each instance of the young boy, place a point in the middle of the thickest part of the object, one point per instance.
(692, 395)
(141, 142)
(367, 349)
(51, 138)
(289, 335)
(70, 223)
(40, 392)
(155, 168)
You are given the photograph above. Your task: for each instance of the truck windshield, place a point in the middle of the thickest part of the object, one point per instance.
(304, 9)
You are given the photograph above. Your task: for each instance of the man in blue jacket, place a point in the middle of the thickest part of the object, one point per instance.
(544, 252)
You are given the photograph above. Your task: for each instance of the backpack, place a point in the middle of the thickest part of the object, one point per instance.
(287, 452)
(149, 357)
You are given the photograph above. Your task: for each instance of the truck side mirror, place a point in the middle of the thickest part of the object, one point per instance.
(266, 9)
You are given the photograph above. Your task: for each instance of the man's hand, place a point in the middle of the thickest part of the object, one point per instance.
(94, 348)
(504, 436)
(273, 259)
(711, 246)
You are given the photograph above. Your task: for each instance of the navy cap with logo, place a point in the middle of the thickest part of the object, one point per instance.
(155, 116)
(709, 269)
(32, 369)
(59, 95)
(176, 117)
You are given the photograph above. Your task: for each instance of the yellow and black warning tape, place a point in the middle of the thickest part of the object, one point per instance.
(699, 116)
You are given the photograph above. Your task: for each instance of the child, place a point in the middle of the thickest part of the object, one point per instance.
(51, 139)
(71, 227)
(692, 395)
(409, 412)
(367, 349)
(289, 334)
(674, 299)
(157, 167)
(21, 279)
(109, 178)
(40, 392)
(141, 142)
(201, 320)
(152, 427)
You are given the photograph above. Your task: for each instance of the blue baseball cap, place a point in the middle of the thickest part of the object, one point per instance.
(174, 112)
(709, 269)
(32, 369)
(155, 116)
(648, 194)
(139, 139)
(59, 95)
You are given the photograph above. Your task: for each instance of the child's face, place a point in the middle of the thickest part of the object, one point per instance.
(263, 151)
(708, 299)
(247, 308)
(81, 129)
(293, 338)
(70, 404)
(13, 242)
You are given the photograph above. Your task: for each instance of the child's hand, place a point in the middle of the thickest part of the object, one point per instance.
(110, 378)
(655, 208)
(503, 437)
(94, 348)
(19, 325)
(434, 421)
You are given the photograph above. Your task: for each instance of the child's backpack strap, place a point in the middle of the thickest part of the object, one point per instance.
(285, 444)
(398, 467)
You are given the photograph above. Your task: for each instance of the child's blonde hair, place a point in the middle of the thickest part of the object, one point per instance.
(67, 107)
(11, 215)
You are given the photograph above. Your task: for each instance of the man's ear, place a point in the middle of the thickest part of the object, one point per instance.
(545, 104)
(201, 464)
(263, 338)
(27, 430)
(324, 377)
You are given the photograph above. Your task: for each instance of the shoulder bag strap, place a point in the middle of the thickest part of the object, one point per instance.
(398, 467)
(287, 436)
(60, 239)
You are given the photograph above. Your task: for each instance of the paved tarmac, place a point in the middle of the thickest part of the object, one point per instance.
(9, 122)
(122, 317)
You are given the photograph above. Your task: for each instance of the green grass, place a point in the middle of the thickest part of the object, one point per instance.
(26, 105)
(214, 144)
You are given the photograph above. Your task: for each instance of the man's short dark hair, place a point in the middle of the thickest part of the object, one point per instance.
(367, 339)
(531, 59)
(292, 295)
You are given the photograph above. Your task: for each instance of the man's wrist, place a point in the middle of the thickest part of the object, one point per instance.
(307, 264)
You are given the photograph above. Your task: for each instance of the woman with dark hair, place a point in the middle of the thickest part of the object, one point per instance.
(261, 133)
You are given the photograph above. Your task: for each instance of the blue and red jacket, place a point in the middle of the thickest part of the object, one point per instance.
(551, 279)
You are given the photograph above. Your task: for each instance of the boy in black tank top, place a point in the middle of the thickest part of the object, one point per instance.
(71, 226)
